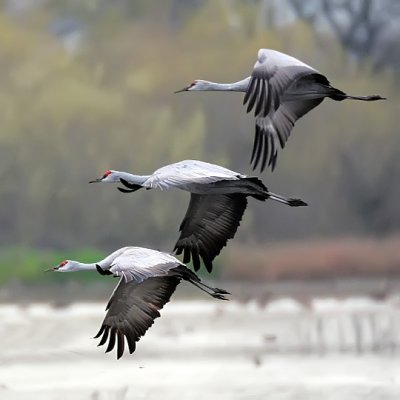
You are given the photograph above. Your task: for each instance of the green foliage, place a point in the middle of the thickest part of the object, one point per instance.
(28, 265)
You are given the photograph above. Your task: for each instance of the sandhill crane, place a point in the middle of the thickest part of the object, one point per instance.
(217, 203)
(147, 280)
(281, 89)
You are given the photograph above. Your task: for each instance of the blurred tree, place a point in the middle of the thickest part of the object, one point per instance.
(367, 29)
(370, 189)
(67, 118)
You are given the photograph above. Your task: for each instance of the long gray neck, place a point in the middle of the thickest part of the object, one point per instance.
(87, 267)
(131, 178)
(240, 86)
(105, 263)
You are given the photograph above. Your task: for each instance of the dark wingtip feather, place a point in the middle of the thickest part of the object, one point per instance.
(262, 167)
(104, 337)
(131, 344)
(111, 343)
(178, 250)
(186, 255)
(255, 143)
(259, 150)
(196, 265)
(120, 345)
(273, 151)
(102, 328)
(273, 161)
(208, 264)
(265, 154)
(195, 258)
(260, 103)
(253, 95)
(249, 90)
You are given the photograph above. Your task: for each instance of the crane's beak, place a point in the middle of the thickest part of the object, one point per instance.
(96, 180)
(51, 269)
(185, 89)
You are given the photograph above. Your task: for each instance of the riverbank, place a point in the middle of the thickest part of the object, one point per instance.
(347, 349)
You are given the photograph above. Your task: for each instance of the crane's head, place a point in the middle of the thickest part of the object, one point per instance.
(108, 176)
(65, 266)
(195, 85)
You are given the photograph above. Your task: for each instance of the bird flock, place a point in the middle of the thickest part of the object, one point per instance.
(280, 90)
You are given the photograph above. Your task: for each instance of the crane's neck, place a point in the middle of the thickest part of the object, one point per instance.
(240, 86)
(86, 267)
(105, 263)
(131, 178)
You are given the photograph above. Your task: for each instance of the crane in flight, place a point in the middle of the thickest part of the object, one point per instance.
(148, 278)
(281, 89)
(218, 199)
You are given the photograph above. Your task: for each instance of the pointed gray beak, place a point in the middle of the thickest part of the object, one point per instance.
(96, 180)
(185, 89)
(51, 269)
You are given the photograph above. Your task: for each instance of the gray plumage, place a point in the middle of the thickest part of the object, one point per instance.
(148, 278)
(280, 90)
(217, 203)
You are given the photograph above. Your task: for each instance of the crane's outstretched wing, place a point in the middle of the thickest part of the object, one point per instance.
(208, 224)
(279, 101)
(132, 309)
(274, 131)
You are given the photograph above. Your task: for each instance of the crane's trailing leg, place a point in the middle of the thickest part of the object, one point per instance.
(188, 275)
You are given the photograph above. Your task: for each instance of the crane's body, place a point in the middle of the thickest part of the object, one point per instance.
(218, 201)
(192, 176)
(148, 278)
(189, 175)
(281, 89)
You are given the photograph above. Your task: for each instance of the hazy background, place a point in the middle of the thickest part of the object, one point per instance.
(88, 86)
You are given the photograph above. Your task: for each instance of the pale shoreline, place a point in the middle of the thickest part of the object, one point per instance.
(199, 349)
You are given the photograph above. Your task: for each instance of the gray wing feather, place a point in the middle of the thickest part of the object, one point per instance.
(274, 131)
(132, 310)
(268, 85)
(281, 90)
(208, 224)
(276, 110)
